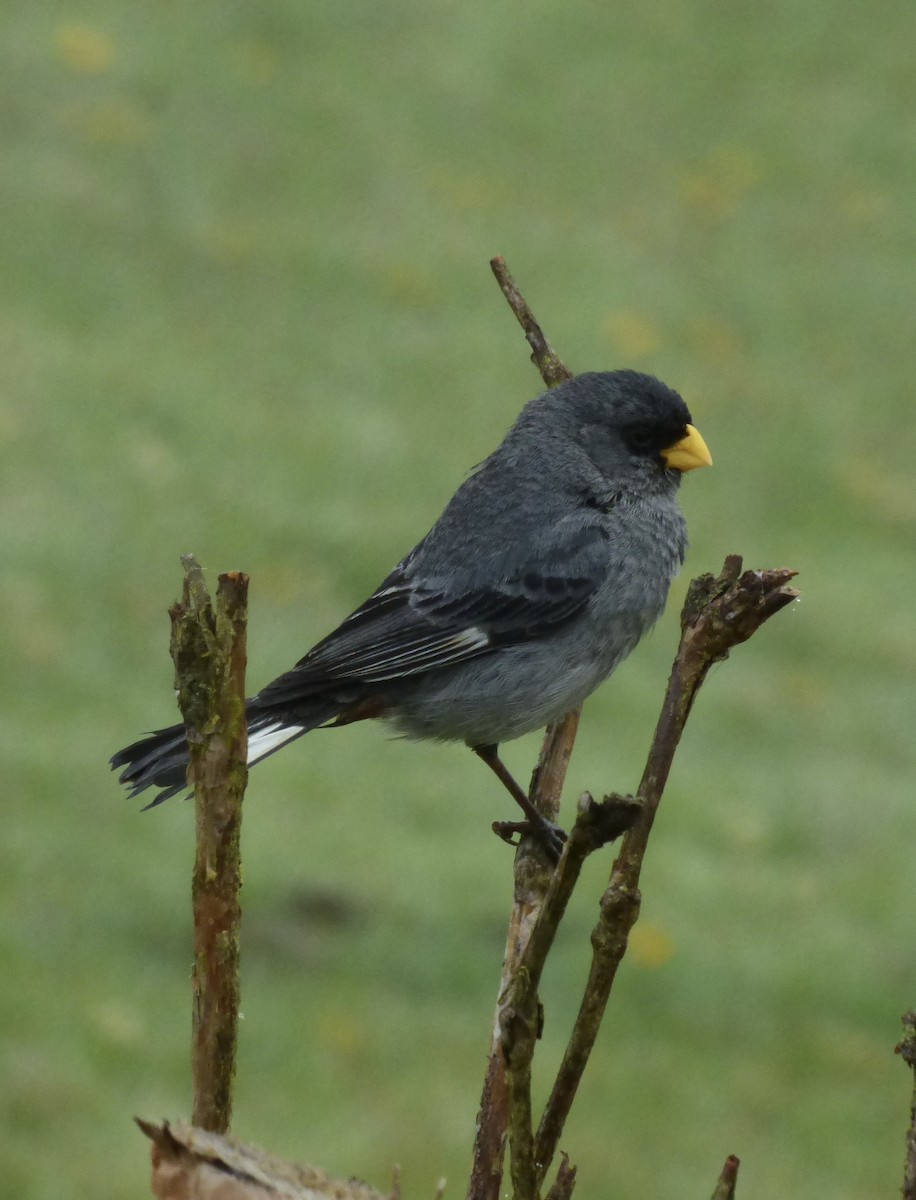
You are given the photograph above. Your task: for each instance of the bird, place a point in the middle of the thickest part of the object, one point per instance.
(550, 562)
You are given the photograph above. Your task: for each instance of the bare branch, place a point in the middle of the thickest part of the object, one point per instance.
(553, 370)
(719, 613)
(596, 825)
(518, 1012)
(532, 872)
(209, 651)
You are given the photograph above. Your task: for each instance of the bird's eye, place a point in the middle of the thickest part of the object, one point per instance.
(640, 437)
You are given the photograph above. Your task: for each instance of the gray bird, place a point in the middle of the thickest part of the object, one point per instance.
(545, 569)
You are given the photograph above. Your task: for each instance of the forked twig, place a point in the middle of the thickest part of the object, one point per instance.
(719, 613)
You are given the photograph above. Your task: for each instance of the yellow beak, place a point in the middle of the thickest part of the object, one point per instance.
(689, 453)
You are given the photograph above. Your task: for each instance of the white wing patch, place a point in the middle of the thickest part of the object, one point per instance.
(394, 661)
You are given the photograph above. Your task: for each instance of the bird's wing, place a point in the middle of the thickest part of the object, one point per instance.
(412, 624)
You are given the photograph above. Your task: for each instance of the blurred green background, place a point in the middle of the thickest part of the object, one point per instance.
(246, 312)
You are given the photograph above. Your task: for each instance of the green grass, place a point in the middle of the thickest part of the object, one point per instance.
(247, 312)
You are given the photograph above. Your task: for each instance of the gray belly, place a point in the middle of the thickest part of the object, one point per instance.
(503, 695)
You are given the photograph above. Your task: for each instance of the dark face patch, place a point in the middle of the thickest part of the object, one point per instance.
(649, 438)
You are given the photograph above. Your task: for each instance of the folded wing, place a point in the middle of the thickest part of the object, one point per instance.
(412, 624)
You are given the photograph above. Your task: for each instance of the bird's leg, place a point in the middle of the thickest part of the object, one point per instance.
(551, 836)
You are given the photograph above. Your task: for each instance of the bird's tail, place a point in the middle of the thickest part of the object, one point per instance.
(161, 759)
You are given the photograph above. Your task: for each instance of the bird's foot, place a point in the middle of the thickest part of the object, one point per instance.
(551, 836)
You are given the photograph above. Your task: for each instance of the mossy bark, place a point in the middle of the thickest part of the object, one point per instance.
(209, 652)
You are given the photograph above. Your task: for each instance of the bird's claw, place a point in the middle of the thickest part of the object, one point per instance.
(551, 837)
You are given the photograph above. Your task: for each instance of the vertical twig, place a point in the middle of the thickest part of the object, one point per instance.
(531, 873)
(209, 651)
(545, 358)
(906, 1048)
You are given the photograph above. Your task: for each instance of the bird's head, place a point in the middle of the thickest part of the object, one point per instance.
(631, 427)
